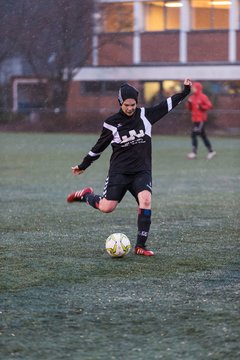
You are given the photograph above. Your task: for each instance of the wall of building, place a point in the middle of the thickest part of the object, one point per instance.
(115, 49)
(143, 41)
(88, 111)
(160, 47)
(207, 46)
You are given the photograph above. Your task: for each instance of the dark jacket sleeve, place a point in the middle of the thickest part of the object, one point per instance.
(155, 113)
(95, 153)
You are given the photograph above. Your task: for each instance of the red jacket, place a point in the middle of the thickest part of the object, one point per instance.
(198, 103)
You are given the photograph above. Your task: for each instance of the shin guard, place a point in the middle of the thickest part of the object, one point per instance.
(93, 200)
(144, 222)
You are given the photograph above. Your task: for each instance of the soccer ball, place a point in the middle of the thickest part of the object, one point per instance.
(117, 245)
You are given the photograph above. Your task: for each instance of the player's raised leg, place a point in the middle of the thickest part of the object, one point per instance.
(107, 206)
(79, 195)
(96, 201)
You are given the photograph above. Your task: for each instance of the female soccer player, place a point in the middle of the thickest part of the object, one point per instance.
(129, 133)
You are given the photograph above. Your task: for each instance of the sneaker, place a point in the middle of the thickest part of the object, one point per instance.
(79, 195)
(141, 251)
(211, 154)
(191, 156)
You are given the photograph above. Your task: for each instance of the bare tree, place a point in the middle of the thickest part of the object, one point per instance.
(54, 37)
(6, 35)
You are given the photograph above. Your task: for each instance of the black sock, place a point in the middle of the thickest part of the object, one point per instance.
(93, 200)
(144, 222)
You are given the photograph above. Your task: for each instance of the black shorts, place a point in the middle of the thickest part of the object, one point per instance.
(116, 185)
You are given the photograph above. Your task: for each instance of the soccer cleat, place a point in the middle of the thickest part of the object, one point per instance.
(79, 195)
(141, 251)
(191, 156)
(211, 154)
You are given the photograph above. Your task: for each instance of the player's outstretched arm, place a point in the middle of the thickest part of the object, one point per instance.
(187, 82)
(156, 112)
(76, 170)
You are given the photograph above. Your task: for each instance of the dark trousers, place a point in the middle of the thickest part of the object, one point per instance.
(198, 129)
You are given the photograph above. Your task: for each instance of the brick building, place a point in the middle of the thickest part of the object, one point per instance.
(155, 45)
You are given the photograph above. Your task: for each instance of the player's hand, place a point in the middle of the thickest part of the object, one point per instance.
(187, 82)
(76, 170)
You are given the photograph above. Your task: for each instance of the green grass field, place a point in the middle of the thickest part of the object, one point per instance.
(63, 297)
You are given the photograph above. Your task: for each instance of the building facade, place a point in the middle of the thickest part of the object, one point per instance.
(155, 45)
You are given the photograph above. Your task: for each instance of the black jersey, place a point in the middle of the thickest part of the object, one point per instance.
(130, 137)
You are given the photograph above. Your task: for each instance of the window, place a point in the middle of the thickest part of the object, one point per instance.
(112, 86)
(32, 96)
(222, 87)
(158, 16)
(156, 91)
(162, 15)
(170, 87)
(101, 87)
(151, 91)
(210, 14)
(117, 17)
(92, 86)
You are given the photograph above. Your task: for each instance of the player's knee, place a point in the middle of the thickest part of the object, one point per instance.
(106, 207)
(146, 203)
(144, 199)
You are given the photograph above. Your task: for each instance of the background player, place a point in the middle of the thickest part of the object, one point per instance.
(198, 103)
(129, 132)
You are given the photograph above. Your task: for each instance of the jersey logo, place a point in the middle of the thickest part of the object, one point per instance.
(132, 136)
